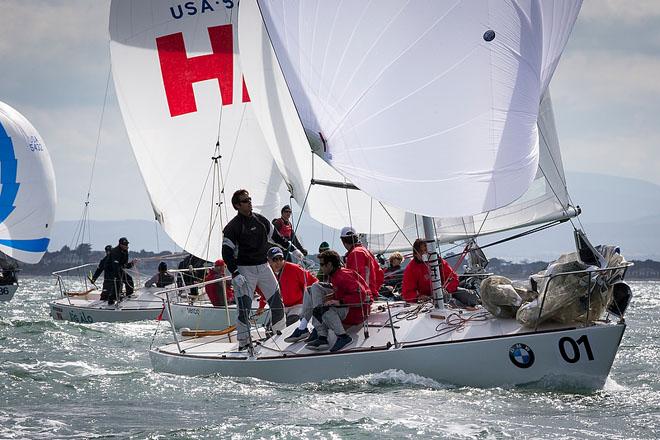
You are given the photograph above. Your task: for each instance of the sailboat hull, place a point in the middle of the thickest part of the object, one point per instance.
(205, 316)
(89, 308)
(579, 357)
(7, 292)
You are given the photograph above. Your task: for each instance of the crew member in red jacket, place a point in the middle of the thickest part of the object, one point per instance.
(345, 304)
(214, 290)
(285, 228)
(417, 279)
(293, 281)
(361, 260)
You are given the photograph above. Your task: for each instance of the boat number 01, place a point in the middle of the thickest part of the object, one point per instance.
(573, 354)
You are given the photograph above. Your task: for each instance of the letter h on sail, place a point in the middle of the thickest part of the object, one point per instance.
(180, 72)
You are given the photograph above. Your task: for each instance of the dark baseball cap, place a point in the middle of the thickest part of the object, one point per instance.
(274, 252)
(286, 208)
(124, 241)
(108, 247)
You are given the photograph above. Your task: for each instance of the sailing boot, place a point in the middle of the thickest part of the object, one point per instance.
(321, 343)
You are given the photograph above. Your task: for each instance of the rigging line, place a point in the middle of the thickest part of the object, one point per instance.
(222, 201)
(483, 223)
(222, 197)
(554, 163)
(199, 202)
(233, 149)
(562, 206)
(214, 219)
(395, 223)
(212, 207)
(562, 178)
(390, 243)
(525, 233)
(309, 188)
(295, 230)
(416, 225)
(80, 228)
(98, 135)
(348, 206)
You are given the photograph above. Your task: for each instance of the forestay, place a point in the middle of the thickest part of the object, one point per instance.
(178, 79)
(27, 197)
(545, 200)
(428, 106)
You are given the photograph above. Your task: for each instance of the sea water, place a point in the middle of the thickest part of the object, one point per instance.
(66, 380)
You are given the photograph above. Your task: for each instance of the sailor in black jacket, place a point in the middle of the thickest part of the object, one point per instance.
(244, 247)
(115, 264)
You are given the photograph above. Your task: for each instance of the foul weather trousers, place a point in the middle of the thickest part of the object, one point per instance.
(261, 276)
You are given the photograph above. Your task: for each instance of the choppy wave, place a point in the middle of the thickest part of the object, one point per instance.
(66, 380)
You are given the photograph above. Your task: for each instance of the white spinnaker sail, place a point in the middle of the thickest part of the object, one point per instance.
(334, 207)
(413, 101)
(178, 79)
(27, 196)
(545, 200)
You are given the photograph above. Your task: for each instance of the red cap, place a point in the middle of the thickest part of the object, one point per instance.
(219, 263)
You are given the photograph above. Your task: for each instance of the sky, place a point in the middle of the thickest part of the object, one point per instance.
(55, 65)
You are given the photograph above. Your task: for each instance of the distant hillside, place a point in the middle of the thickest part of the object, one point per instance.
(67, 258)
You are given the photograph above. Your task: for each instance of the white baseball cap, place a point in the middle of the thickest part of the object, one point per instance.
(347, 231)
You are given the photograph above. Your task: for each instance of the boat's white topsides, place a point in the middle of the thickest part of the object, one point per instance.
(146, 303)
(466, 348)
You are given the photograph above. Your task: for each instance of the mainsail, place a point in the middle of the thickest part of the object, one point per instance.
(27, 197)
(430, 107)
(178, 79)
(545, 200)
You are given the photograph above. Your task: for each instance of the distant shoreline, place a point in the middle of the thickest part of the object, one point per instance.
(647, 270)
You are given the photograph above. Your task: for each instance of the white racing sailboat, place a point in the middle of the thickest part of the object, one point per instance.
(430, 107)
(182, 90)
(27, 197)
(190, 123)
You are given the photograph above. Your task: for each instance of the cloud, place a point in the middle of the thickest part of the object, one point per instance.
(598, 76)
(627, 156)
(54, 53)
(620, 10)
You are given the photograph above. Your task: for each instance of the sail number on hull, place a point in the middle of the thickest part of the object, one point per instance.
(572, 355)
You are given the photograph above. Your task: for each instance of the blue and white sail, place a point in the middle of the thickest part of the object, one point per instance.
(27, 194)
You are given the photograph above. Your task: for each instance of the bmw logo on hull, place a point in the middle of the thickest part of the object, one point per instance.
(521, 355)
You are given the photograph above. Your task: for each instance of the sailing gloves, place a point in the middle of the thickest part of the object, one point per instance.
(299, 255)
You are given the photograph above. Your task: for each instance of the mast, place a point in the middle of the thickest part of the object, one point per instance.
(434, 266)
